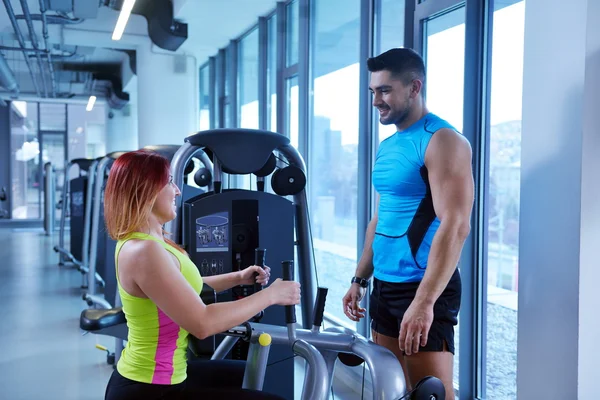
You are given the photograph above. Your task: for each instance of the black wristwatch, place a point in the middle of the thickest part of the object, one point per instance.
(364, 283)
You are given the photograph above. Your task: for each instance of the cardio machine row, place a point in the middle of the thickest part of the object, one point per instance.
(221, 230)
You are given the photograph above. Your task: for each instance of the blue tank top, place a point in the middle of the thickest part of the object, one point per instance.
(406, 221)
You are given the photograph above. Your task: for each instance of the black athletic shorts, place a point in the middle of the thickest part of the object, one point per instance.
(389, 301)
(218, 379)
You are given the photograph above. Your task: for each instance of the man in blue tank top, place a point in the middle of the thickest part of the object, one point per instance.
(424, 181)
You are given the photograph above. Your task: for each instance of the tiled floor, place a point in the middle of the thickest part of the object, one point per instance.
(43, 354)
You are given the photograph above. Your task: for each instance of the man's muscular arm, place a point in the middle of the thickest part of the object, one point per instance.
(448, 162)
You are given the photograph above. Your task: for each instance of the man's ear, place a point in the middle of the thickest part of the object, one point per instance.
(416, 88)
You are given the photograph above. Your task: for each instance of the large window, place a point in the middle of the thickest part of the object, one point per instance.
(248, 81)
(25, 164)
(444, 49)
(503, 202)
(333, 159)
(247, 87)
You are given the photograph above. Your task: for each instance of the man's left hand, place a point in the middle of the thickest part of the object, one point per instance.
(415, 326)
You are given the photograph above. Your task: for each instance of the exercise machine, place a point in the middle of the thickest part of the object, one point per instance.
(76, 204)
(222, 229)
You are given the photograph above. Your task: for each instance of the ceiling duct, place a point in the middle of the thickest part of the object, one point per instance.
(115, 97)
(164, 31)
(7, 78)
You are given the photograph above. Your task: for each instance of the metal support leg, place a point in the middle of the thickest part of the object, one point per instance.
(256, 364)
(316, 380)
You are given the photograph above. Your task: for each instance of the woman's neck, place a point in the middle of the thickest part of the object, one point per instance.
(154, 228)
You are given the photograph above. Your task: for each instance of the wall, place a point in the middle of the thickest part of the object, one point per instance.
(559, 217)
(167, 100)
(122, 125)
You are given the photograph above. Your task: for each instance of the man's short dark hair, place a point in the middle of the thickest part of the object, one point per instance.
(404, 64)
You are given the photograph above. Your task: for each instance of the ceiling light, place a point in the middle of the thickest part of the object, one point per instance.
(123, 18)
(90, 104)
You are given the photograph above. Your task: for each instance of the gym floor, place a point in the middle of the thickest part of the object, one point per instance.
(44, 355)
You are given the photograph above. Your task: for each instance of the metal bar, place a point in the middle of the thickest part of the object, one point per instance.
(21, 39)
(40, 138)
(304, 80)
(48, 54)
(85, 252)
(477, 34)
(316, 379)
(221, 86)
(63, 215)
(232, 70)
(11, 48)
(365, 139)
(280, 86)
(48, 199)
(224, 348)
(263, 62)
(409, 24)
(484, 187)
(212, 92)
(34, 42)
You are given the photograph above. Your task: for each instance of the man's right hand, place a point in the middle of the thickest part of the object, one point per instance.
(352, 301)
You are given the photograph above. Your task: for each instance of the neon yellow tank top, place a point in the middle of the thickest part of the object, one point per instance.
(156, 350)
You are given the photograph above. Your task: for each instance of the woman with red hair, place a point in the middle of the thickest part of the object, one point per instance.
(159, 287)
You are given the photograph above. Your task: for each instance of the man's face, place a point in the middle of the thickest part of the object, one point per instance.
(391, 97)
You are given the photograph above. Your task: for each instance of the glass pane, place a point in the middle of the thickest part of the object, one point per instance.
(53, 117)
(333, 146)
(87, 133)
(53, 151)
(248, 81)
(204, 98)
(445, 59)
(292, 32)
(272, 75)
(504, 199)
(444, 46)
(389, 34)
(25, 166)
(291, 88)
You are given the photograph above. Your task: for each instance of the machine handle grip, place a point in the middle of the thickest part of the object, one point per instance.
(259, 257)
(320, 306)
(288, 275)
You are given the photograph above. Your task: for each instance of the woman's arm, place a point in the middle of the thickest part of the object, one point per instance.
(248, 276)
(223, 282)
(156, 274)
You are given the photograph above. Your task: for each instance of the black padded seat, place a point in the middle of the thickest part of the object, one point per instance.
(97, 319)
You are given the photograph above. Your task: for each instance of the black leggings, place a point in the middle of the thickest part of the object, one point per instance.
(219, 379)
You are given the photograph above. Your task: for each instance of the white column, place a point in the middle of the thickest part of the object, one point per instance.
(560, 212)
(167, 96)
(589, 267)
(122, 125)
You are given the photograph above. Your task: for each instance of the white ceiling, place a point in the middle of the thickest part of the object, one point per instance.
(211, 25)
